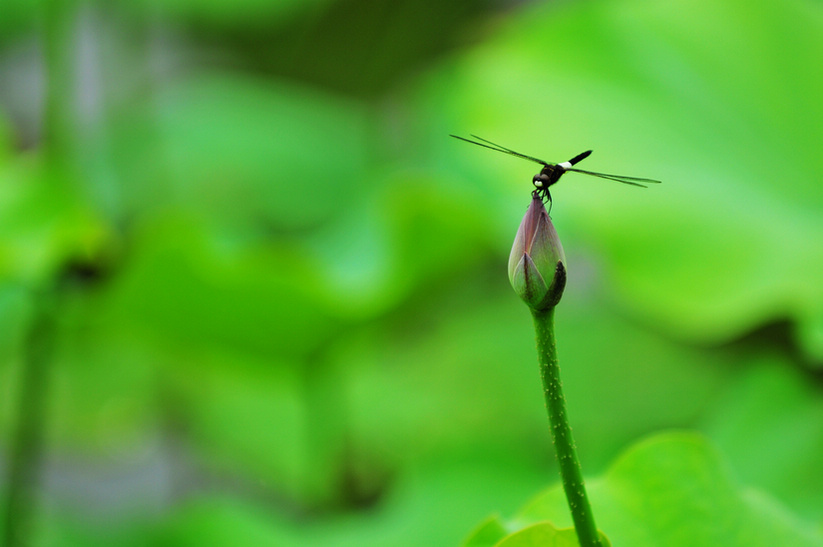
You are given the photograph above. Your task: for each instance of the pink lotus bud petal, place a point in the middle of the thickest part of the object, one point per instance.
(537, 265)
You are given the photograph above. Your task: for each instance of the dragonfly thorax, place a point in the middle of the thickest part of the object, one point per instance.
(548, 176)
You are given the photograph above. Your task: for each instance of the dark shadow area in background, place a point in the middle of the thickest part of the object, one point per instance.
(360, 48)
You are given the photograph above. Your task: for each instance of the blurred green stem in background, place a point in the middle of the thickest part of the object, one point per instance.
(326, 416)
(25, 458)
(26, 447)
(570, 471)
(58, 28)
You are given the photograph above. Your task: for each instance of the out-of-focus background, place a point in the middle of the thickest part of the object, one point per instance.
(251, 293)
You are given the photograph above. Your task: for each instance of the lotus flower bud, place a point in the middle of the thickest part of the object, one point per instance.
(537, 265)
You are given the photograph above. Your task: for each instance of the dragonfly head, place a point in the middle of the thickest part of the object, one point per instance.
(541, 181)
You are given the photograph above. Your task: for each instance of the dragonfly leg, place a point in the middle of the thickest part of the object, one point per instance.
(543, 194)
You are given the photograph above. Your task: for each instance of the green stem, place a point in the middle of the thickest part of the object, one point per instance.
(26, 448)
(325, 423)
(58, 20)
(570, 471)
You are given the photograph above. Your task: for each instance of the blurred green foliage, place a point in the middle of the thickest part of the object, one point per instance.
(282, 308)
(670, 490)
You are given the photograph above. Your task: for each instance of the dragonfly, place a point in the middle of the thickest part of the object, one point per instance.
(552, 172)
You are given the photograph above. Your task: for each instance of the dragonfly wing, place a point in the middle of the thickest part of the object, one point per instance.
(634, 181)
(491, 146)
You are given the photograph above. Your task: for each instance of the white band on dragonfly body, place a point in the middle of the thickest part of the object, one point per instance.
(565, 165)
